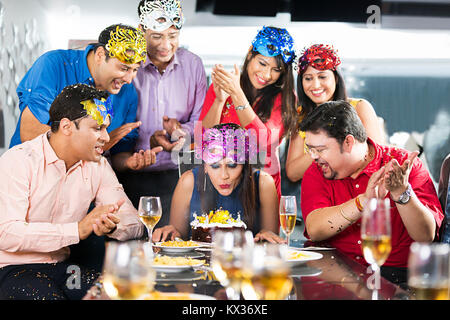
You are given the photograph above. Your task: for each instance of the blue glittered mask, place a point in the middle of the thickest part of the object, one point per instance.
(99, 110)
(271, 42)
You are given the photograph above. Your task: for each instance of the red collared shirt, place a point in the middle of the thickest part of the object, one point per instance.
(318, 192)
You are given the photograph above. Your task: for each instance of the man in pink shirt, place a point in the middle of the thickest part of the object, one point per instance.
(46, 187)
(347, 171)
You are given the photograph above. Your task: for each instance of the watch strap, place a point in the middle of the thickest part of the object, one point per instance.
(405, 196)
(242, 107)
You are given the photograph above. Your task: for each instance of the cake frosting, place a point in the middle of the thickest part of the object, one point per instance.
(203, 226)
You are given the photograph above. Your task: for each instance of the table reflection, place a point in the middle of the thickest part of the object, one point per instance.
(333, 277)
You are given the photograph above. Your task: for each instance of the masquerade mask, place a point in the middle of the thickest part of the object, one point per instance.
(98, 109)
(160, 15)
(271, 42)
(320, 57)
(129, 46)
(227, 142)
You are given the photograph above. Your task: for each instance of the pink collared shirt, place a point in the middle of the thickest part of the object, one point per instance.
(41, 204)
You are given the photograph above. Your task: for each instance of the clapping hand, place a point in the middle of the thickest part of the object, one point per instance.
(225, 83)
(172, 128)
(142, 159)
(117, 134)
(392, 178)
(101, 220)
(375, 186)
(397, 176)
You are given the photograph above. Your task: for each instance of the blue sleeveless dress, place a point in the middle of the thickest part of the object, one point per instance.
(232, 203)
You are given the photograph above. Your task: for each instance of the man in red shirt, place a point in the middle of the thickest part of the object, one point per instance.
(349, 169)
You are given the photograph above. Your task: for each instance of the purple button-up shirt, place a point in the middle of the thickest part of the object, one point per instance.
(177, 93)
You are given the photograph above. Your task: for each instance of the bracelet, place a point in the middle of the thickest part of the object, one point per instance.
(245, 106)
(358, 204)
(342, 214)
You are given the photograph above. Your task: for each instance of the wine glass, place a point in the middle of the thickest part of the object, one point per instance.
(267, 273)
(288, 215)
(376, 236)
(227, 259)
(127, 270)
(428, 270)
(150, 212)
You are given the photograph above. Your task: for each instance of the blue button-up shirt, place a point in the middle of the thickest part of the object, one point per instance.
(55, 70)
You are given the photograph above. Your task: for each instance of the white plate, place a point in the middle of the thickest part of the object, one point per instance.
(305, 256)
(317, 248)
(190, 254)
(184, 276)
(175, 249)
(173, 269)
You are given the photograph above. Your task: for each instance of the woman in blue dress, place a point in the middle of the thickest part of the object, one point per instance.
(225, 180)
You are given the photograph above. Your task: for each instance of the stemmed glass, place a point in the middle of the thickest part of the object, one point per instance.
(428, 270)
(227, 259)
(288, 215)
(376, 236)
(127, 270)
(150, 211)
(267, 273)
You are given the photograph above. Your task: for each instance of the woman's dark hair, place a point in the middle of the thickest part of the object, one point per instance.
(337, 119)
(267, 95)
(247, 192)
(306, 103)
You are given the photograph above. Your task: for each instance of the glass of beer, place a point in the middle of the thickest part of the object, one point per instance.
(288, 215)
(229, 251)
(127, 270)
(149, 211)
(376, 237)
(428, 270)
(267, 275)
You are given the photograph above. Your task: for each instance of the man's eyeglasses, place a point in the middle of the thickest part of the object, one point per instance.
(315, 151)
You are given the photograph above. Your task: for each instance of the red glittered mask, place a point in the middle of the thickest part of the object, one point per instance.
(320, 57)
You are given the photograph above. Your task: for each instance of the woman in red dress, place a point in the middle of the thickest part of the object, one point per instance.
(261, 98)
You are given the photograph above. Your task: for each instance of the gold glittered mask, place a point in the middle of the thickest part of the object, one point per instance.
(127, 45)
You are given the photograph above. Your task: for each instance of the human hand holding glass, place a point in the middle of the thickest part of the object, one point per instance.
(376, 236)
(288, 215)
(428, 270)
(149, 211)
(127, 270)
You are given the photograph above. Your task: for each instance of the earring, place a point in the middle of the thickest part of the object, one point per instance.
(204, 182)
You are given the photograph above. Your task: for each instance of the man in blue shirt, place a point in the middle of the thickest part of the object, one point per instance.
(109, 65)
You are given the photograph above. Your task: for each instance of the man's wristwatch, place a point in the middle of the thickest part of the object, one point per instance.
(245, 106)
(405, 196)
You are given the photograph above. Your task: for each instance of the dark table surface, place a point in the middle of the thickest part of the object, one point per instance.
(333, 277)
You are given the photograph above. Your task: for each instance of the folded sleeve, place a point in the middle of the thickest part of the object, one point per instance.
(40, 86)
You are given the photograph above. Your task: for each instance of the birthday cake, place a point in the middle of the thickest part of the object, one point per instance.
(204, 226)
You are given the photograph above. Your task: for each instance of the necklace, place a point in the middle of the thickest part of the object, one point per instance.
(367, 158)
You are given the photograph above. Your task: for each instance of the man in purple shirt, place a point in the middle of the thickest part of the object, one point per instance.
(171, 87)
